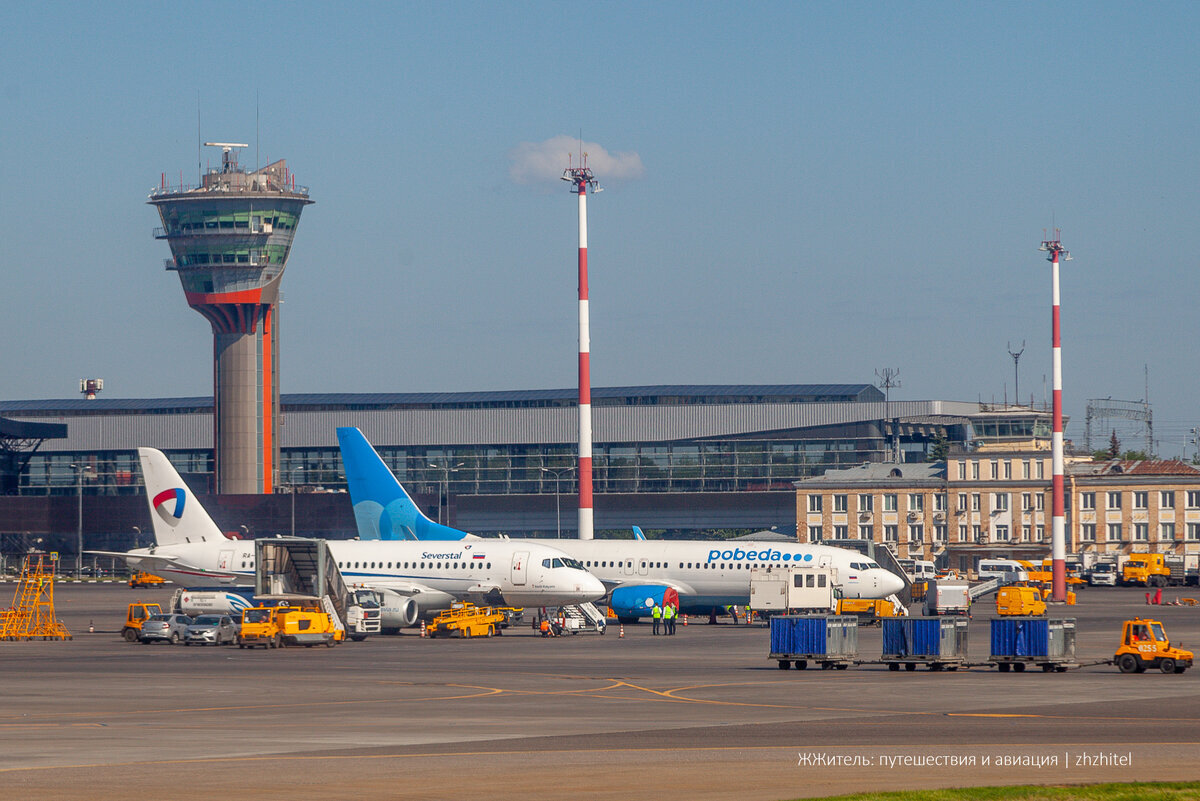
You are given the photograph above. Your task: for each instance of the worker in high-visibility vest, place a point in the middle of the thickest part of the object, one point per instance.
(670, 614)
(656, 614)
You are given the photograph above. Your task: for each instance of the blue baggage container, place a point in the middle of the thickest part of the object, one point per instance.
(924, 638)
(815, 636)
(1033, 638)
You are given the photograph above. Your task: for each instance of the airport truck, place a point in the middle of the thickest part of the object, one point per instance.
(137, 614)
(1144, 644)
(1146, 570)
(794, 590)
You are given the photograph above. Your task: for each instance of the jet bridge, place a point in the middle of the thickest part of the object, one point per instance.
(300, 566)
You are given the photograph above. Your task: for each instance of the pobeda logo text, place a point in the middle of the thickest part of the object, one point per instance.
(738, 555)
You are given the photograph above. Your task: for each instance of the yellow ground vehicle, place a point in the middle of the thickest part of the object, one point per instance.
(140, 579)
(299, 623)
(1018, 600)
(137, 614)
(1144, 644)
(467, 620)
(867, 610)
(1146, 569)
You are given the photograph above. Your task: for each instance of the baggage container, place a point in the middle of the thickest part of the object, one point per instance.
(940, 642)
(828, 640)
(1021, 641)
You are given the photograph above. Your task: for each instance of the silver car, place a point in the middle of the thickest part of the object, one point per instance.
(164, 628)
(211, 629)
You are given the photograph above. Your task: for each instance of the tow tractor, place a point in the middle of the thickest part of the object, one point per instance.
(465, 619)
(1144, 644)
(137, 614)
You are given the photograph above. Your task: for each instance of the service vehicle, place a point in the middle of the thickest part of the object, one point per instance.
(137, 614)
(143, 579)
(948, 597)
(1103, 574)
(259, 627)
(1144, 644)
(1006, 569)
(466, 619)
(1020, 600)
(870, 611)
(364, 613)
(211, 630)
(167, 627)
(1146, 570)
(294, 621)
(794, 590)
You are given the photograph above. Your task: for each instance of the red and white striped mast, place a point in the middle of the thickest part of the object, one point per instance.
(581, 178)
(1058, 539)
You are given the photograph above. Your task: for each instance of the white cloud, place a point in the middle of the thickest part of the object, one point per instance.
(535, 162)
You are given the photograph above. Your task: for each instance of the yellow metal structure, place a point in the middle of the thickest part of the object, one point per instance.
(140, 579)
(137, 614)
(467, 620)
(1017, 600)
(1144, 644)
(867, 610)
(32, 613)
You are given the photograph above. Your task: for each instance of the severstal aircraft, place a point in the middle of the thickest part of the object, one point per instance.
(699, 575)
(415, 577)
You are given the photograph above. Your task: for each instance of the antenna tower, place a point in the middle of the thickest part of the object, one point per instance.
(1058, 542)
(888, 379)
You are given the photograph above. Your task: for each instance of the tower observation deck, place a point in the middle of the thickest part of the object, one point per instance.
(230, 238)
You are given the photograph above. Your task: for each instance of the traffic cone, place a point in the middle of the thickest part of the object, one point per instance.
(685, 620)
(1147, 598)
(422, 629)
(621, 632)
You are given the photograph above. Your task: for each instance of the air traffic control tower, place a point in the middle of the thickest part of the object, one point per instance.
(230, 238)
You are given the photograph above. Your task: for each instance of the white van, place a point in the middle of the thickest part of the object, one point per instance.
(1007, 569)
(923, 571)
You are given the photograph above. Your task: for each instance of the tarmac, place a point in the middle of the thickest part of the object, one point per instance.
(701, 715)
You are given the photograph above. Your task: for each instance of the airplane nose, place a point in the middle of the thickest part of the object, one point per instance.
(893, 583)
(593, 586)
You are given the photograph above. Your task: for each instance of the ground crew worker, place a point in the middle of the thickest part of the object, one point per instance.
(545, 627)
(656, 613)
(670, 618)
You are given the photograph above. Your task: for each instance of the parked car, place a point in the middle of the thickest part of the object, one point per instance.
(214, 629)
(164, 628)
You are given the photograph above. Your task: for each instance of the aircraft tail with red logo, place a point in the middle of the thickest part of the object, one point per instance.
(174, 510)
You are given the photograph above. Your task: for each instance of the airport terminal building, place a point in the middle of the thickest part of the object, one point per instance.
(680, 459)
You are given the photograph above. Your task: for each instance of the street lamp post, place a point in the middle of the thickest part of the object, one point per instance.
(137, 537)
(293, 477)
(445, 485)
(557, 508)
(79, 523)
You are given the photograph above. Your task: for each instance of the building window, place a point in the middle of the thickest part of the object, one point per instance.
(1007, 469)
(1087, 532)
(1000, 501)
(939, 502)
(1087, 501)
(1140, 500)
(916, 502)
(1041, 469)
(939, 533)
(976, 533)
(889, 503)
(962, 533)
(839, 503)
(891, 534)
(814, 503)
(1193, 531)
(866, 503)
(962, 501)
(974, 471)
(814, 533)
(1027, 501)
(1039, 502)
(1193, 499)
(974, 501)
(1024, 533)
(840, 532)
(1001, 533)
(916, 533)
(1166, 531)
(994, 472)
(866, 533)
(962, 471)
(1025, 469)
(1141, 532)
(1166, 500)
(1113, 500)
(1040, 533)
(1114, 532)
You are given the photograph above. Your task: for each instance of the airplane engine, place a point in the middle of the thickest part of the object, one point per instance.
(398, 612)
(630, 603)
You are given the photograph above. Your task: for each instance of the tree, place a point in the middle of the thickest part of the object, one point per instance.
(1114, 446)
(939, 450)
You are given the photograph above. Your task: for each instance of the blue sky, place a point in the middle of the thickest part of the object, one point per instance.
(824, 189)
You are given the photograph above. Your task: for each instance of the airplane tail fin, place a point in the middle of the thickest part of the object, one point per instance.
(382, 509)
(174, 510)
(637, 533)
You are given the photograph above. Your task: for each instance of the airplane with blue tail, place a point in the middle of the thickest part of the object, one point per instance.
(700, 575)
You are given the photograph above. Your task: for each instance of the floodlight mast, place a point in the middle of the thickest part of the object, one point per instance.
(581, 178)
(1058, 541)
